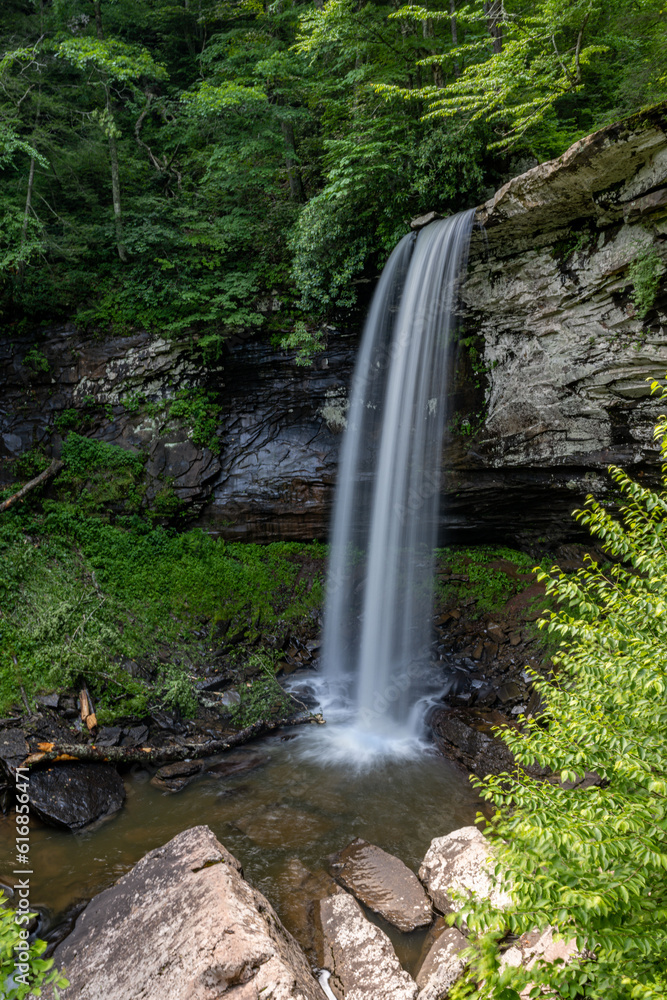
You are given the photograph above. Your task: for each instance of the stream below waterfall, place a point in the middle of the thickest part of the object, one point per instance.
(287, 804)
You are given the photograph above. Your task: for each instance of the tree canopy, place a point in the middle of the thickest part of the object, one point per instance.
(180, 165)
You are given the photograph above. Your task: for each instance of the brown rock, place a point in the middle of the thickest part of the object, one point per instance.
(236, 763)
(424, 220)
(459, 862)
(384, 884)
(183, 924)
(509, 692)
(360, 956)
(442, 965)
(174, 777)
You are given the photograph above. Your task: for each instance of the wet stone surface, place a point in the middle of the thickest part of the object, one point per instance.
(384, 884)
(359, 955)
(73, 795)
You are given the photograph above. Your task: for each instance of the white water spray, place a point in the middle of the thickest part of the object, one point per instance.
(380, 588)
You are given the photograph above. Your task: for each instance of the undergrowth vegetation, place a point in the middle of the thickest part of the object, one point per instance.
(485, 577)
(91, 592)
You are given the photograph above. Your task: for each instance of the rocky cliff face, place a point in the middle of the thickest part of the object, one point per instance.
(563, 347)
(550, 388)
(279, 424)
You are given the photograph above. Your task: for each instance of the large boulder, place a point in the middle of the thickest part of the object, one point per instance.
(442, 964)
(384, 884)
(359, 955)
(74, 795)
(459, 862)
(183, 924)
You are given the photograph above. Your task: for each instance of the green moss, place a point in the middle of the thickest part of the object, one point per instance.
(80, 596)
(645, 273)
(489, 586)
(100, 479)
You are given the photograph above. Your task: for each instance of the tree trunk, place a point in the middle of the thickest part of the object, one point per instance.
(293, 173)
(113, 150)
(26, 213)
(455, 34)
(55, 467)
(436, 68)
(494, 16)
(115, 193)
(159, 755)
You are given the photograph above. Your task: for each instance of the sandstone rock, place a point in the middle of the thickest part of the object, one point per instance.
(384, 884)
(183, 924)
(459, 861)
(360, 956)
(535, 947)
(424, 220)
(236, 762)
(73, 795)
(441, 966)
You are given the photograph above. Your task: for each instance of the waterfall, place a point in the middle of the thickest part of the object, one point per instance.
(377, 628)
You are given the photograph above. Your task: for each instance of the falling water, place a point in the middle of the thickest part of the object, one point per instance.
(380, 586)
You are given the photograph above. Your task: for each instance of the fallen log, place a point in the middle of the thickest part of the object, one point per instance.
(55, 467)
(160, 755)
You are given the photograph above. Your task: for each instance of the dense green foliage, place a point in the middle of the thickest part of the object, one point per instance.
(185, 167)
(592, 862)
(88, 585)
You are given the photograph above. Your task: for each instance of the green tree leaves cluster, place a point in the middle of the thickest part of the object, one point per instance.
(175, 166)
(591, 861)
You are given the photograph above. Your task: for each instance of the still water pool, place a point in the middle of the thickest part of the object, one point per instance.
(289, 804)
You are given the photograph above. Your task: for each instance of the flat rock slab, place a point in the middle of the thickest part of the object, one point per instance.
(459, 862)
(174, 777)
(360, 956)
(384, 884)
(73, 795)
(442, 965)
(183, 924)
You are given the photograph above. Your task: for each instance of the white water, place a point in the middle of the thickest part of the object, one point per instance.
(377, 627)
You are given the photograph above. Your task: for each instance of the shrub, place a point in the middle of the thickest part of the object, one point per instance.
(591, 863)
(40, 971)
